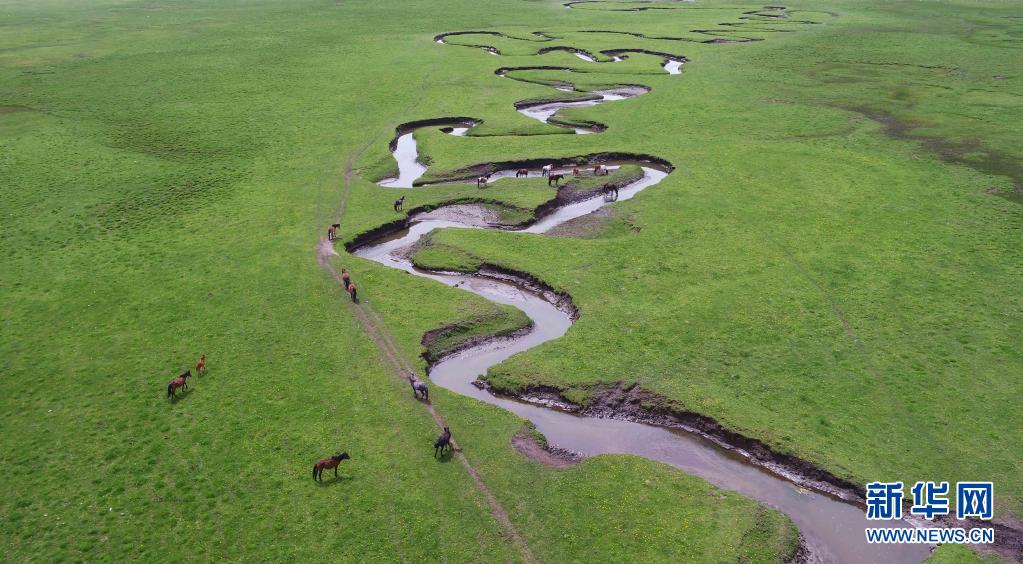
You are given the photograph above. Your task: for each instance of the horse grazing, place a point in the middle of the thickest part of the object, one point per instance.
(179, 382)
(522, 172)
(442, 442)
(481, 182)
(575, 172)
(419, 388)
(200, 367)
(328, 463)
(554, 179)
(332, 231)
(346, 279)
(352, 290)
(399, 203)
(546, 170)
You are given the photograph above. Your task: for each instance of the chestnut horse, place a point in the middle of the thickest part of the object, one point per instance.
(179, 382)
(200, 367)
(352, 290)
(328, 463)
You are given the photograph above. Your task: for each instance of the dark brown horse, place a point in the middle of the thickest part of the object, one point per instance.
(332, 231)
(328, 463)
(179, 382)
(522, 172)
(399, 203)
(352, 291)
(442, 442)
(554, 179)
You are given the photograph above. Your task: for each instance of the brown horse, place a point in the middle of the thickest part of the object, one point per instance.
(522, 172)
(481, 182)
(179, 382)
(597, 170)
(345, 278)
(200, 367)
(575, 172)
(328, 463)
(332, 231)
(399, 203)
(352, 290)
(554, 179)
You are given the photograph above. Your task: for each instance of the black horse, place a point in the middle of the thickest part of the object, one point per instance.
(419, 388)
(399, 203)
(554, 179)
(442, 442)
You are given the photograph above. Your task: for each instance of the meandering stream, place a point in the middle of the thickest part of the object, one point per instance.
(833, 529)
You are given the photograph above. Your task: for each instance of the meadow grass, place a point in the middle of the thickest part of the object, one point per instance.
(168, 169)
(833, 267)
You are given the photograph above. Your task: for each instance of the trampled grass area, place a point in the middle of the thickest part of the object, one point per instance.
(167, 170)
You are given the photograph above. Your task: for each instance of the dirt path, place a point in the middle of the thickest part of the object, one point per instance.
(374, 326)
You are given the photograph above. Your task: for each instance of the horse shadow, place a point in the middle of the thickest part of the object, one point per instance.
(446, 456)
(182, 394)
(333, 481)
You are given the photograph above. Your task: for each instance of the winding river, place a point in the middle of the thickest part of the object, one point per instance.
(832, 528)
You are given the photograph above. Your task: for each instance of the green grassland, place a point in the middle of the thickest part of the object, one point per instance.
(833, 268)
(167, 170)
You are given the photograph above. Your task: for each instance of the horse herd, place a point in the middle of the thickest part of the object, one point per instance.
(419, 390)
(182, 380)
(553, 179)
